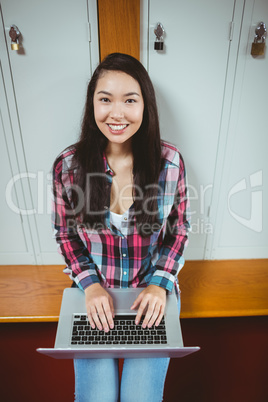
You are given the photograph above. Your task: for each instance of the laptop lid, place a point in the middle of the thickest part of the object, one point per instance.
(73, 305)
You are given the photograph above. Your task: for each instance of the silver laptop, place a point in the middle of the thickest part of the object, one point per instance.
(77, 339)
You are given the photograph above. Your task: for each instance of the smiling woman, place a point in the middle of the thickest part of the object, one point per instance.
(121, 167)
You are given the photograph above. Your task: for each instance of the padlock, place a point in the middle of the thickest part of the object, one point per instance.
(158, 45)
(159, 33)
(14, 34)
(257, 48)
(15, 45)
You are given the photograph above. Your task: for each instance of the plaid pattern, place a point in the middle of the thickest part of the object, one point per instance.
(124, 258)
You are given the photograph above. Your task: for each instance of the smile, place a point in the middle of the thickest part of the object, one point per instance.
(117, 127)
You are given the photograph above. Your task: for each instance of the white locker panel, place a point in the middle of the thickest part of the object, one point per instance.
(189, 76)
(11, 235)
(50, 73)
(16, 246)
(241, 219)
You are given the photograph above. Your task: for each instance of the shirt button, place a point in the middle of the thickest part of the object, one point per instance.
(125, 272)
(124, 255)
(125, 218)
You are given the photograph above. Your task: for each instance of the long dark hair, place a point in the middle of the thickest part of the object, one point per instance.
(146, 148)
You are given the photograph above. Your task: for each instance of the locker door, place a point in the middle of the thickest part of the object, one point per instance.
(241, 218)
(14, 234)
(47, 79)
(189, 76)
(16, 246)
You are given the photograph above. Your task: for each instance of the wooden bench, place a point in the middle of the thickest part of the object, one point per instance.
(209, 289)
(29, 310)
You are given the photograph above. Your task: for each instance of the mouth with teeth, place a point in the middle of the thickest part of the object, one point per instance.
(117, 128)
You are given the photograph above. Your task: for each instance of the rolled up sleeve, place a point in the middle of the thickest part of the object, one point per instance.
(79, 263)
(175, 240)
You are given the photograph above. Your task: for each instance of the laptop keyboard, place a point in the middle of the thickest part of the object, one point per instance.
(125, 332)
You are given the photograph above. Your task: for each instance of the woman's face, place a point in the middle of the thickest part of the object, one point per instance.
(118, 106)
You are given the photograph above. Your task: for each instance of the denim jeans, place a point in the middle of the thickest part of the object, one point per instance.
(143, 380)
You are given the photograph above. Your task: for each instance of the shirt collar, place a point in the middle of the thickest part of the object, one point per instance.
(106, 166)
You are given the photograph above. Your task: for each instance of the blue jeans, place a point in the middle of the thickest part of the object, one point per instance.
(143, 380)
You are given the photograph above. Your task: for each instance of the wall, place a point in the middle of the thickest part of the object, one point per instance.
(231, 366)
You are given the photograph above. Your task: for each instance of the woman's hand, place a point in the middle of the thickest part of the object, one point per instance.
(100, 309)
(153, 297)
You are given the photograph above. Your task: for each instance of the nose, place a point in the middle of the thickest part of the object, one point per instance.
(117, 112)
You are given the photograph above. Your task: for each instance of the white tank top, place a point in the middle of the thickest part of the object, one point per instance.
(116, 220)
